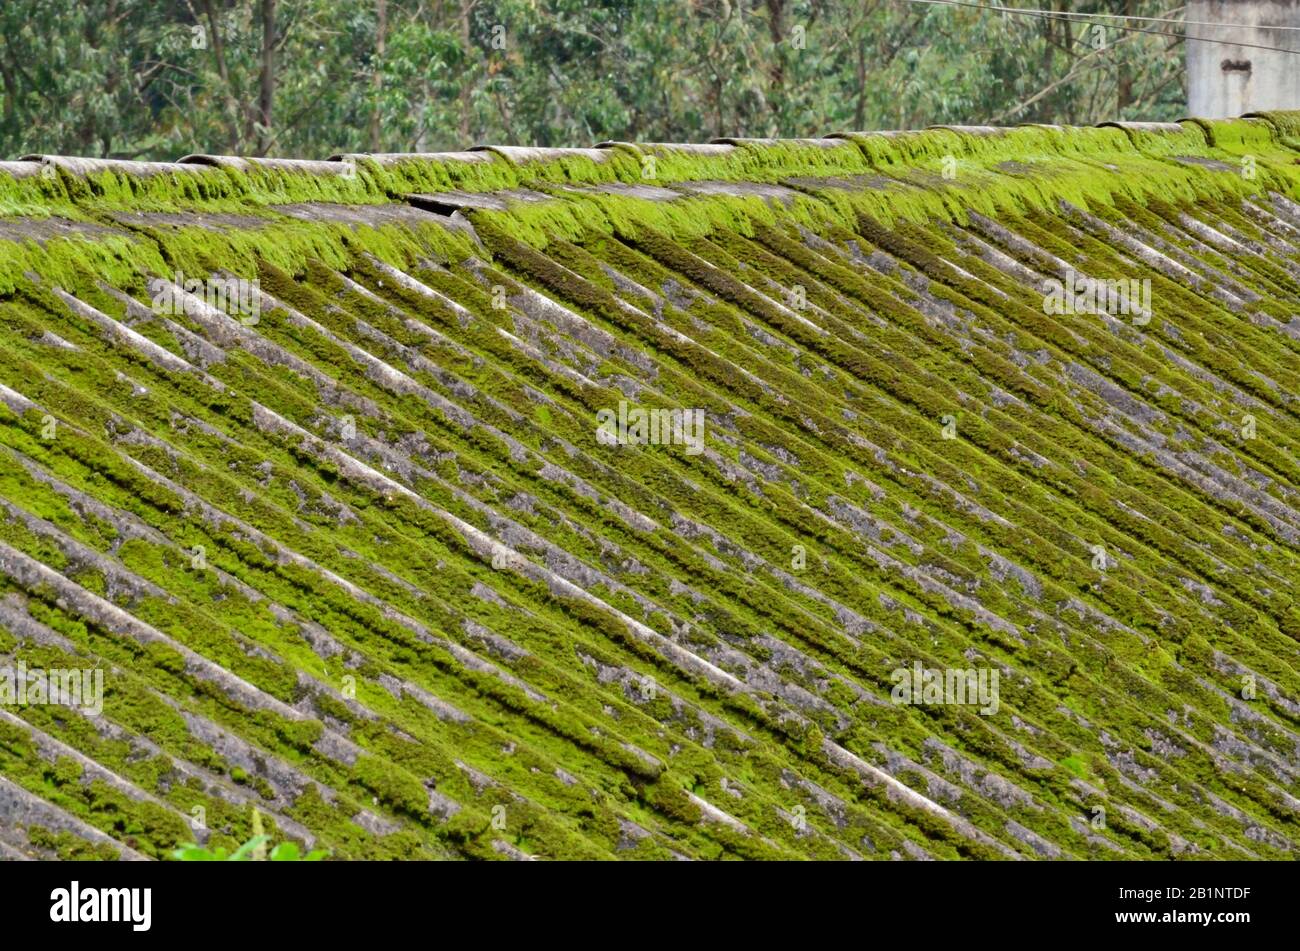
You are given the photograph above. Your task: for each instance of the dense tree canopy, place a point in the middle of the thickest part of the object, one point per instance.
(158, 78)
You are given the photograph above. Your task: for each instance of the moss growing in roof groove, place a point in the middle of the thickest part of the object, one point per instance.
(209, 188)
(578, 217)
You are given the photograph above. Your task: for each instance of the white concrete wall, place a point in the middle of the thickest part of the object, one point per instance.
(1225, 79)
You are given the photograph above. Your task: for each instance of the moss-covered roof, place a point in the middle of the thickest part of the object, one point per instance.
(311, 459)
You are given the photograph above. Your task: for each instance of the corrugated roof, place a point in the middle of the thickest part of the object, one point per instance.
(333, 468)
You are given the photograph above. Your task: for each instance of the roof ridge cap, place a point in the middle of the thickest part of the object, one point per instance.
(523, 151)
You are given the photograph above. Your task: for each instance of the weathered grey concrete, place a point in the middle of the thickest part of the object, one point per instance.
(1225, 78)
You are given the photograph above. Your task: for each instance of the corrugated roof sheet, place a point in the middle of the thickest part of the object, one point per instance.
(333, 469)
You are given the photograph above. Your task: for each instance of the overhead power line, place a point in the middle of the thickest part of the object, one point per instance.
(1064, 17)
(1127, 16)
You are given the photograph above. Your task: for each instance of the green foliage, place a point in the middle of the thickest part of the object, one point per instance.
(255, 849)
(144, 80)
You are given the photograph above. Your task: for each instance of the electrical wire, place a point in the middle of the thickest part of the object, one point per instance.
(1070, 18)
(1126, 16)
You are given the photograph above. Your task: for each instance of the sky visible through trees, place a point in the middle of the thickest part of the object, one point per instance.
(144, 79)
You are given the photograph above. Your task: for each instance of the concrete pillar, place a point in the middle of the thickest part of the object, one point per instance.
(1225, 79)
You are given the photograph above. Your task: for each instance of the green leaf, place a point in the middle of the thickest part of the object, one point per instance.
(245, 851)
(285, 852)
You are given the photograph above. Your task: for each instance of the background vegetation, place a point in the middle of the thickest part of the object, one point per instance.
(154, 80)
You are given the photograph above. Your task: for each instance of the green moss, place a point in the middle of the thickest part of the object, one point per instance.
(824, 433)
(68, 847)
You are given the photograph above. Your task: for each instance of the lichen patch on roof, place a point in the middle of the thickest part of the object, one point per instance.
(879, 496)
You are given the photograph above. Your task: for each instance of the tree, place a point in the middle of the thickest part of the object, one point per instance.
(158, 78)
